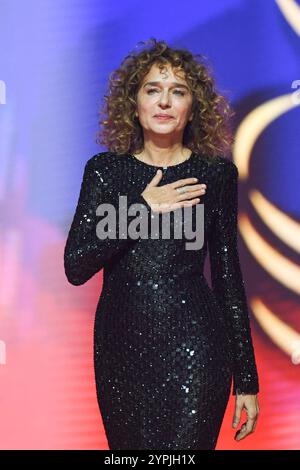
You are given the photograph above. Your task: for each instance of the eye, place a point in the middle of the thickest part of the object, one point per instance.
(151, 89)
(180, 92)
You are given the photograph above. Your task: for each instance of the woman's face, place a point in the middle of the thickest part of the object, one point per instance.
(169, 95)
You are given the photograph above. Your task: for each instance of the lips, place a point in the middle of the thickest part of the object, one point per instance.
(163, 116)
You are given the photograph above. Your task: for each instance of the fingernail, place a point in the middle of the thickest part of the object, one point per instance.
(196, 179)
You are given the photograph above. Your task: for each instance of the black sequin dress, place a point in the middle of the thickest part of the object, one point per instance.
(166, 345)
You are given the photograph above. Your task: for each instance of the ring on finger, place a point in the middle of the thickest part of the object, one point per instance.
(181, 190)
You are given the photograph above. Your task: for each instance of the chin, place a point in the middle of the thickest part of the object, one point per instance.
(162, 129)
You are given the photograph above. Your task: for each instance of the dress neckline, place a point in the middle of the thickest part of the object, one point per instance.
(163, 167)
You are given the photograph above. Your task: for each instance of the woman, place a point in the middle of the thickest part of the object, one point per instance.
(166, 345)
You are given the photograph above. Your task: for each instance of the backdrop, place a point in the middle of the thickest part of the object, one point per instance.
(55, 59)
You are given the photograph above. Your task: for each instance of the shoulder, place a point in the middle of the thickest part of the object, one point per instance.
(106, 163)
(102, 160)
(223, 168)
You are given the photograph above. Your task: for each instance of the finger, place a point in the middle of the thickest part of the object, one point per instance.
(190, 188)
(190, 194)
(254, 426)
(183, 182)
(164, 207)
(156, 179)
(193, 187)
(249, 426)
(237, 415)
(246, 429)
(255, 423)
(191, 202)
(241, 433)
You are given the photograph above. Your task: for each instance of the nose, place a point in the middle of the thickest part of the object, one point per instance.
(164, 100)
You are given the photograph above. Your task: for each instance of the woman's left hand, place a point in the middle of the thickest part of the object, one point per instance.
(250, 403)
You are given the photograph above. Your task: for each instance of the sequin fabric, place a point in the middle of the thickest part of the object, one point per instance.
(166, 344)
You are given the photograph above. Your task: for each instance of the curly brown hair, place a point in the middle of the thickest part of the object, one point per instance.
(208, 133)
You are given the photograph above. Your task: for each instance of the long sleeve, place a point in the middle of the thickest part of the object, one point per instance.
(227, 282)
(85, 253)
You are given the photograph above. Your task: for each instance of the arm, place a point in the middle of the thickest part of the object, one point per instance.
(85, 254)
(228, 285)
